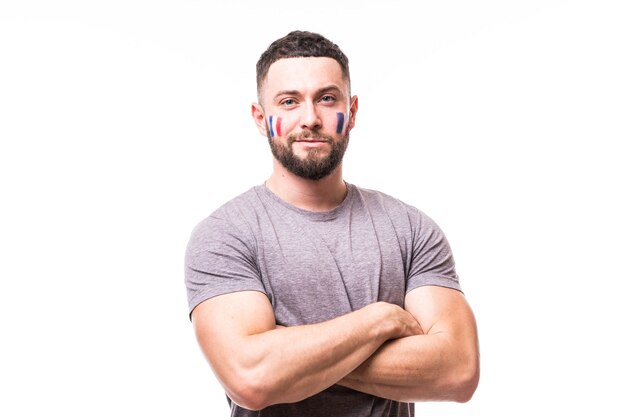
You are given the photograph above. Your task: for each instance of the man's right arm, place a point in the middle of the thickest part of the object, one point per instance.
(260, 364)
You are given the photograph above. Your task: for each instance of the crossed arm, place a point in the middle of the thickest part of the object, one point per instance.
(427, 351)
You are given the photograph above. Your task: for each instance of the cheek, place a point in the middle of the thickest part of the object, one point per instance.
(281, 125)
(340, 123)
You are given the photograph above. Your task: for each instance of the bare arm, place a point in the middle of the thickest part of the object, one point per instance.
(441, 364)
(260, 364)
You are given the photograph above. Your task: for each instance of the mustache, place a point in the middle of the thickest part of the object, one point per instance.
(308, 134)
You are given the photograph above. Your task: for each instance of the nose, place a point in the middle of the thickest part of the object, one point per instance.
(310, 118)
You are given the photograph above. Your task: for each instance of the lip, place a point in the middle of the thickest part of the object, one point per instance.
(311, 143)
(312, 140)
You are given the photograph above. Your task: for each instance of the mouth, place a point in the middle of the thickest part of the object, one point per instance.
(311, 140)
(311, 143)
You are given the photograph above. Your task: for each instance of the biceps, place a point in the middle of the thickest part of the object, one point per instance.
(223, 323)
(439, 309)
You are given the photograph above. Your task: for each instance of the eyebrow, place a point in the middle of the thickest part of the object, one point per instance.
(297, 93)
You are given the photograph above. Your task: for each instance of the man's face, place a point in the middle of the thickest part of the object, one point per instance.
(307, 114)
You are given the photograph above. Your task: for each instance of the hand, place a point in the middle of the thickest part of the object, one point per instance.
(396, 322)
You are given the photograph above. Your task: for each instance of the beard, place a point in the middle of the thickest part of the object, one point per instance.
(315, 165)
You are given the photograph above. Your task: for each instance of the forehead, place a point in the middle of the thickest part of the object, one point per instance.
(303, 74)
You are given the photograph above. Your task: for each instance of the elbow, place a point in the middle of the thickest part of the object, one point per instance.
(249, 395)
(250, 391)
(465, 381)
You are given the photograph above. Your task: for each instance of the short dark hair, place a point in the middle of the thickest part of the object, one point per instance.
(300, 44)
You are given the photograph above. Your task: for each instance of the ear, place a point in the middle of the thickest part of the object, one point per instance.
(259, 118)
(354, 107)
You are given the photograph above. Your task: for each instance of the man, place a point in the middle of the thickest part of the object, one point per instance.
(310, 296)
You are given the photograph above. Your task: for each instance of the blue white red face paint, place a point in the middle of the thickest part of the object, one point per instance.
(340, 117)
(274, 123)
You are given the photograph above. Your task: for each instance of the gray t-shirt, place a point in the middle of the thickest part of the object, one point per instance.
(315, 266)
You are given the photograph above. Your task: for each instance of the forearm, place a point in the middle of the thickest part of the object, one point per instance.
(284, 365)
(419, 368)
(296, 362)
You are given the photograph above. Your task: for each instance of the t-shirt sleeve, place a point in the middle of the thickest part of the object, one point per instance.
(432, 262)
(219, 260)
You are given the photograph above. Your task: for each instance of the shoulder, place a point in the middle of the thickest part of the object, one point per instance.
(240, 207)
(392, 206)
(403, 215)
(230, 221)
(378, 197)
(236, 210)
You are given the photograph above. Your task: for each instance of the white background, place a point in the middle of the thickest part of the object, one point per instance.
(124, 123)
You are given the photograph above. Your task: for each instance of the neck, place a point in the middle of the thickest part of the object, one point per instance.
(313, 195)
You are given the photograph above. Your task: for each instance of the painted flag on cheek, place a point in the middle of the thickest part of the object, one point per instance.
(274, 123)
(340, 117)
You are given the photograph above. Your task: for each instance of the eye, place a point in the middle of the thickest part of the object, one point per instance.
(327, 99)
(288, 102)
